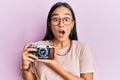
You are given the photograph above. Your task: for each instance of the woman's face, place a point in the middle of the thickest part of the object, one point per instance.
(61, 23)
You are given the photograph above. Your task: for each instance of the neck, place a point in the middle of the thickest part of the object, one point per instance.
(60, 44)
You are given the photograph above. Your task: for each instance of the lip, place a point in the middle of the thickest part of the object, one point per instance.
(61, 33)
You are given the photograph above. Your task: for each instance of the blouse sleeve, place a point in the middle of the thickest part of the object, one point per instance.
(86, 60)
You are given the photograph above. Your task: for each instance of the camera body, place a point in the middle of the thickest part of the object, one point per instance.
(43, 51)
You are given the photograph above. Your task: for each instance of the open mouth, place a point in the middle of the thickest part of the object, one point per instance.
(61, 33)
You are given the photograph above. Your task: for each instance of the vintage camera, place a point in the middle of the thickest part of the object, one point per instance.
(43, 51)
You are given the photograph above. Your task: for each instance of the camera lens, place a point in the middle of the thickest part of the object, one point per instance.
(42, 52)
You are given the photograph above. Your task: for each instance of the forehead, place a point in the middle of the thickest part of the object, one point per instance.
(61, 11)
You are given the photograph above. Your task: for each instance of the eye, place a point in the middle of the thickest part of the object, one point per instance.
(66, 19)
(55, 19)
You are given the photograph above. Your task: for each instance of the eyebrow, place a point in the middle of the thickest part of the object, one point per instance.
(58, 14)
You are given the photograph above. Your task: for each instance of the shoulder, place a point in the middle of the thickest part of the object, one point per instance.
(79, 44)
(80, 47)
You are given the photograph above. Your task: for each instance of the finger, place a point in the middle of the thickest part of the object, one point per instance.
(31, 49)
(46, 61)
(33, 56)
(29, 59)
(30, 55)
(27, 45)
(28, 51)
(26, 61)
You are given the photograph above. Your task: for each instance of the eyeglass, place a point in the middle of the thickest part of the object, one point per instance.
(66, 21)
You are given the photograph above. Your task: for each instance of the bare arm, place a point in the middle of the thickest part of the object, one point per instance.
(87, 76)
(28, 75)
(69, 76)
(27, 58)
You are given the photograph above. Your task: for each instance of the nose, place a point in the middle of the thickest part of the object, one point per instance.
(61, 24)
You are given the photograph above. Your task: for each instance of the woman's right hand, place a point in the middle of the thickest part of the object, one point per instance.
(27, 58)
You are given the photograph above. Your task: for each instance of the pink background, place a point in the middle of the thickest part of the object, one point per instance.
(98, 25)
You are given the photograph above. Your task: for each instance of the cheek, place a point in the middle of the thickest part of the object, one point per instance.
(54, 30)
(68, 29)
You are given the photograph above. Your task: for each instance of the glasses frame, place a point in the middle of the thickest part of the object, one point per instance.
(62, 21)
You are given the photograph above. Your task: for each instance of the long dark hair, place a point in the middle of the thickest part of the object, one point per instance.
(49, 34)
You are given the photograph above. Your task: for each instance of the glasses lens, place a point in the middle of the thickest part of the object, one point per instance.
(66, 21)
(55, 21)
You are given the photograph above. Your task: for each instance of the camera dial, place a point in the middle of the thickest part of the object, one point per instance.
(42, 52)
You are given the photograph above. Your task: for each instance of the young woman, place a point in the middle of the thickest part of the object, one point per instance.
(72, 59)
